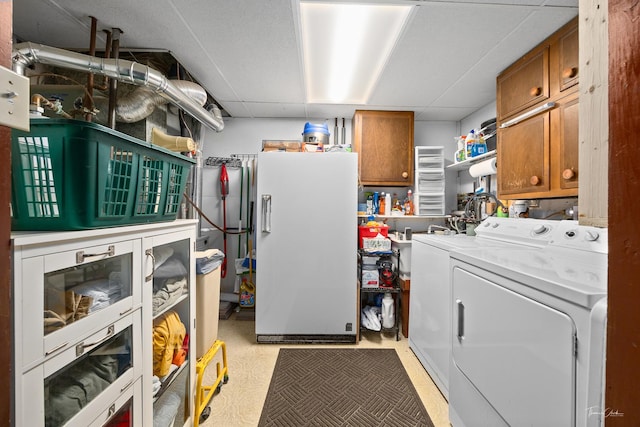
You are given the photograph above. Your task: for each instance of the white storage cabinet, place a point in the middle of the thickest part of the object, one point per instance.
(429, 181)
(83, 318)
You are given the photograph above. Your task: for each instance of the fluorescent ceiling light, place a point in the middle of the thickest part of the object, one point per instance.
(345, 47)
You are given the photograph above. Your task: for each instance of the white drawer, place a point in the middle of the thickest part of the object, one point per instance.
(67, 296)
(82, 380)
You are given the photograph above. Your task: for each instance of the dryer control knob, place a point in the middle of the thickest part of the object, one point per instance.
(591, 236)
(540, 229)
(496, 225)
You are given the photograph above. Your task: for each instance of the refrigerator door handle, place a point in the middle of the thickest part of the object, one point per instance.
(266, 213)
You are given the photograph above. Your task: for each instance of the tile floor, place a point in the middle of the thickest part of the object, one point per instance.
(250, 365)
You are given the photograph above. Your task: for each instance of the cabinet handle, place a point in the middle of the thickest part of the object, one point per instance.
(530, 113)
(569, 72)
(460, 319)
(535, 91)
(405, 175)
(80, 256)
(534, 180)
(149, 252)
(82, 346)
(266, 213)
(126, 387)
(567, 174)
(53, 350)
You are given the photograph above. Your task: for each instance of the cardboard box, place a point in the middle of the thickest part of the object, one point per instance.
(376, 244)
(288, 146)
(370, 278)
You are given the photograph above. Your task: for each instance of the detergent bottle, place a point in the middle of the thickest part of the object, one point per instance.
(479, 147)
(247, 294)
(388, 315)
(469, 142)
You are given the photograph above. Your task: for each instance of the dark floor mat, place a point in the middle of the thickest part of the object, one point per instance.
(342, 387)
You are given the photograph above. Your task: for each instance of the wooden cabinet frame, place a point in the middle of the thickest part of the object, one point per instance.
(384, 143)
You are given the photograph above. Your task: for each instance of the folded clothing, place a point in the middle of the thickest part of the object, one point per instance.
(171, 268)
(168, 336)
(171, 290)
(209, 260)
(72, 390)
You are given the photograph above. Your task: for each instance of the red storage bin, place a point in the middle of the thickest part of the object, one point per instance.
(371, 231)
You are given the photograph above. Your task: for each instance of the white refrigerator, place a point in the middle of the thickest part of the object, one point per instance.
(306, 242)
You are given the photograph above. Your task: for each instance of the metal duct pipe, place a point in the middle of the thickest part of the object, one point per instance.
(25, 54)
(141, 102)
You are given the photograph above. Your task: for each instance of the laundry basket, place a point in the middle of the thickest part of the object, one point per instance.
(73, 175)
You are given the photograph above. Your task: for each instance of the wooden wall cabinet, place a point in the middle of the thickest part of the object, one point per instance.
(537, 103)
(384, 143)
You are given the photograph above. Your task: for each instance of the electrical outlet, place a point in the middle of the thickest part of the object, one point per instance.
(14, 100)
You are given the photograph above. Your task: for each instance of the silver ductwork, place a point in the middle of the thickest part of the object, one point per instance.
(141, 102)
(26, 54)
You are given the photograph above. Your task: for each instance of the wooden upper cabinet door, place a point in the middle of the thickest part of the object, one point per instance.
(567, 51)
(523, 158)
(525, 83)
(564, 136)
(384, 143)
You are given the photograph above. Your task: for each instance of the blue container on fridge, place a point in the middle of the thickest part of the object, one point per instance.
(316, 133)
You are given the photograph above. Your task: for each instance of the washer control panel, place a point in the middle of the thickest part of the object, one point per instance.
(537, 232)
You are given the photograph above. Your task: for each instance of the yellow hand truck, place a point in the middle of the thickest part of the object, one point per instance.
(205, 393)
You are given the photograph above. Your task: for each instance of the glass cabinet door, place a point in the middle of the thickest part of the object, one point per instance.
(77, 292)
(100, 361)
(66, 293)
(171, 313)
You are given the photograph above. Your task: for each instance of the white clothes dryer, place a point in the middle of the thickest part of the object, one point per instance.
(429, 305)
(528, 326)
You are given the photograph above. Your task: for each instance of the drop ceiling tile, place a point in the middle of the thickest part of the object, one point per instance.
(236, 109)
(252, 44)
(273, 110)
(331, 111)
(443, 41)
(443, 114)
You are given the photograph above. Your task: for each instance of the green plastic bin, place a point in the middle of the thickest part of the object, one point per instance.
(74, 175)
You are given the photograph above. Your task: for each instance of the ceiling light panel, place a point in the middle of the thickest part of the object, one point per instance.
(345, 48)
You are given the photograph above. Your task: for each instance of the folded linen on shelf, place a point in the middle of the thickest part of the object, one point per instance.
(169, 293)
(168, 336)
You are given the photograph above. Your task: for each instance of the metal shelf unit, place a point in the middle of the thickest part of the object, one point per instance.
(394, 289)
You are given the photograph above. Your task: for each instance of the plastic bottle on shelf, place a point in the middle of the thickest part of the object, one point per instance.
(376, 203)
(460, 154)
(382, 204)
(471, 139)
(408, 203)
(395, 204)
(479, 147)
(387, 204)
(388, 315)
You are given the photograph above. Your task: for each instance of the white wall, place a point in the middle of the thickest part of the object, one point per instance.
(244, 136)
(473, 121)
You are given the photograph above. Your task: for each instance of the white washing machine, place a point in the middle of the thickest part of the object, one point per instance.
(528, 326)
(430, 306)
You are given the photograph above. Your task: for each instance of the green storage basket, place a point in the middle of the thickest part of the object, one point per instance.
(73, 175)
